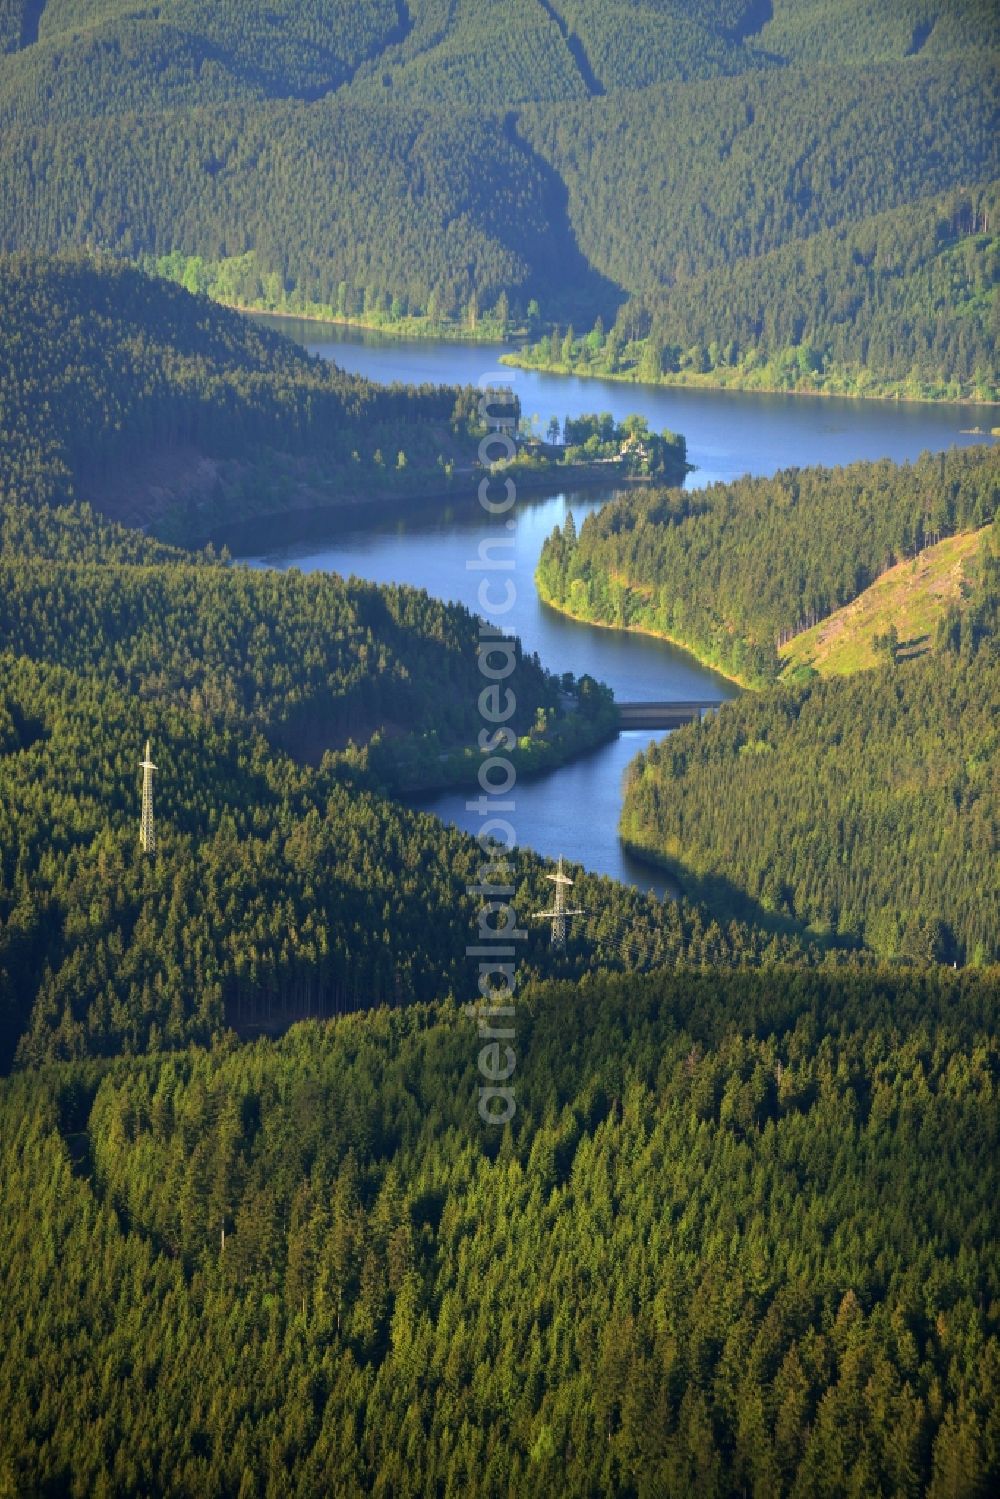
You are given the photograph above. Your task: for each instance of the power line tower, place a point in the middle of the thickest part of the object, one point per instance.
(147, 829)
(560, 912)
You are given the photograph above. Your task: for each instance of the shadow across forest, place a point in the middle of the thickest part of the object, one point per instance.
(728, 901)
(31, 19)
(574, 288)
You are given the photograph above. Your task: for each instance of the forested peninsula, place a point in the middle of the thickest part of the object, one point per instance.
(170, 413)
(286, 883)
(860, 809)
(734, 571)
(187, 420)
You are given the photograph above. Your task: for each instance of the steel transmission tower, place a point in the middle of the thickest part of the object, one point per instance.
(560, 912)
(147, 829)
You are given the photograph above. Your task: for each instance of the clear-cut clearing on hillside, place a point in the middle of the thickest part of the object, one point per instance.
(913, 596)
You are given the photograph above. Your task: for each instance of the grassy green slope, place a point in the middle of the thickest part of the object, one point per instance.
(913, 596)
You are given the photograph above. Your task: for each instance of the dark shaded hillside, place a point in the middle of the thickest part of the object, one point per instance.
(385, 676)
(668, 183)
(102, 369)
(394, 202)
(902, 303)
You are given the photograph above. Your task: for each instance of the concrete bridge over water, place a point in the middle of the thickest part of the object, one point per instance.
(660, 715)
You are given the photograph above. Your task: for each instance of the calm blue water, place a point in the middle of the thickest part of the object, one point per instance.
(574, 811)
(728, 433)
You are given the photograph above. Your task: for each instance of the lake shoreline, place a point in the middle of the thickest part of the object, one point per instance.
(679, 645)
(575, 810)
(432, 333)
(738, 388)
(243, 536)
(445, 334)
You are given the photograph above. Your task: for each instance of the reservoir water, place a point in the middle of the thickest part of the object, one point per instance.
(574, 811)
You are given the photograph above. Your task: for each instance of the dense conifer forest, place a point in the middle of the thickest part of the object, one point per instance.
(862, 810)
(737, 1235)
(901, 303)
(104, 371)
(733, 570)
(863, 807)
(278, 890)
(687, 171)
(739, 1238)
(387, 676)
(282, 708)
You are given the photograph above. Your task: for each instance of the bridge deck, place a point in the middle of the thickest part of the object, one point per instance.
(660, 715)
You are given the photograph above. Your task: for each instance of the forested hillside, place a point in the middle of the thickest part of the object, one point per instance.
(302, 47)
(901, 303)
(832, 30)
(864, 809)
(103, 371)
(736, 1235)
(667, 183)
(734, 570)
(864, 806)
(391, 201)
(445, 155)
(737, 1239)
(385, 675)
(277, 891)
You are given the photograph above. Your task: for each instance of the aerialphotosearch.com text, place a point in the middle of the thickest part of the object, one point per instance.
(497, 934)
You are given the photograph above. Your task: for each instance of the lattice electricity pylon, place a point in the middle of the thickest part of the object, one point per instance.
(147, 828)
(560, 912)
